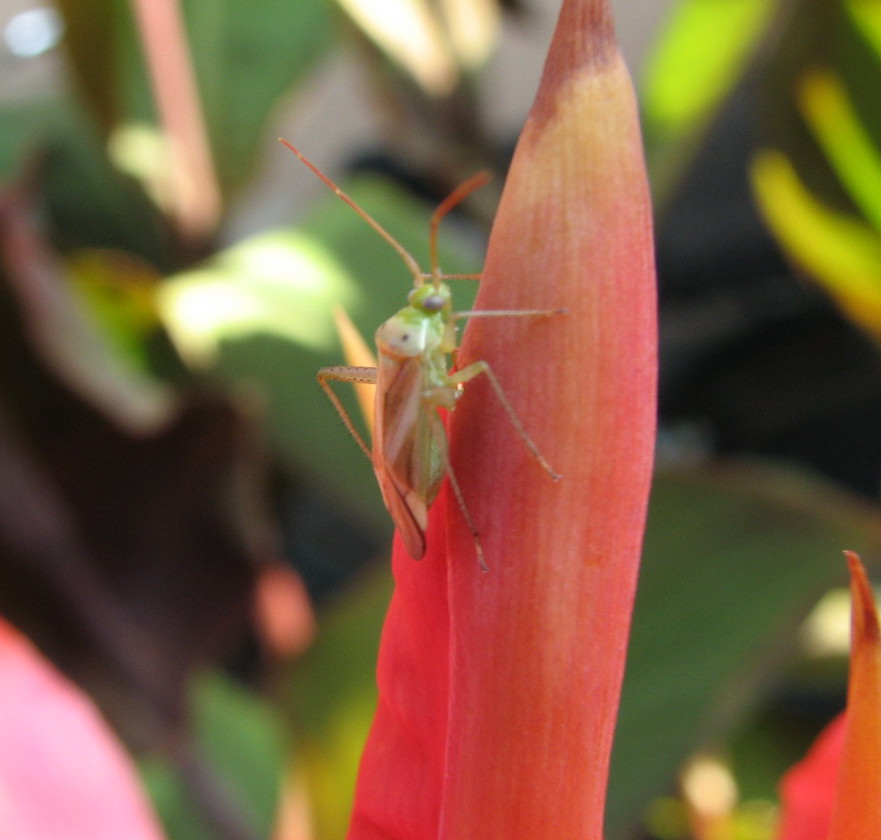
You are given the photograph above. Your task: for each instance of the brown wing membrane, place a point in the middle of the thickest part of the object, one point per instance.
(402, 448)
(404, 510)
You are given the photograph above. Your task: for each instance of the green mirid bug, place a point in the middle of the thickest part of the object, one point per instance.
(410, 452)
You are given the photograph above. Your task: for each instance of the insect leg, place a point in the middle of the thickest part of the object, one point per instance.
(327, 375)
(476, 369)
(440, 436)
(505, 313)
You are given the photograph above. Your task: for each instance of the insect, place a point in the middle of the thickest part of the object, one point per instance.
(410, 453)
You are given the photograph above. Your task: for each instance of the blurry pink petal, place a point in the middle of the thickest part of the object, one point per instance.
(63, 775)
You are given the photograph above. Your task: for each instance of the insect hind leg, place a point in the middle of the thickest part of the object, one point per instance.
(474, 370)
(366, 375)
(440, 436)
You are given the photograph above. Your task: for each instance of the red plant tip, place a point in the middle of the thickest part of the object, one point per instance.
(857, 811)
(499, 691)
(832, 794)
(864, 616)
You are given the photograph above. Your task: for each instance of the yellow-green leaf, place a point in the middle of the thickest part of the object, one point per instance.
(838, 250)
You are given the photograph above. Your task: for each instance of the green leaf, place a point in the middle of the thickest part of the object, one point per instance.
(734, 559)
(817, 173)
(866, 17)
(247, 56)
(104, 57)
(241, 744)
(22, 124)
(91, 204)
(837, 249)
(697, 61)
(844, 139)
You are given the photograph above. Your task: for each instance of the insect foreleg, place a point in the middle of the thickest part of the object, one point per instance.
(460, 377)
(440, 436)
(366, 375)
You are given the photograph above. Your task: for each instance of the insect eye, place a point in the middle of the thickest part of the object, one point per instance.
(433, 303)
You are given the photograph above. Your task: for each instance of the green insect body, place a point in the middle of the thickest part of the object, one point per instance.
(410, 456)
(410, 453)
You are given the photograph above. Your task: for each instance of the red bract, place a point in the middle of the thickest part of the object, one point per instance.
(833, 794)
(857, 811)
(62, 773)
(808, 789)
(498, 690)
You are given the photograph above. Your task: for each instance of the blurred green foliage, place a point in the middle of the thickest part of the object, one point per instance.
(243, 741)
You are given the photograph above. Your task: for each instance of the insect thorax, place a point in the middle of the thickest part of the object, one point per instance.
(411, 332)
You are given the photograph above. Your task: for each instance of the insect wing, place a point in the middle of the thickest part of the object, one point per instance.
(403, 457)
(403, 511)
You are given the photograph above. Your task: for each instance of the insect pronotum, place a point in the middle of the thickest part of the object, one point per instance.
(410, 454)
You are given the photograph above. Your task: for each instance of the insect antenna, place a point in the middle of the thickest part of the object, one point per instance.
(475, 182)
(412, 265)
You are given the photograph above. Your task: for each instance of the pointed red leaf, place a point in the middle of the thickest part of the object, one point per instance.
(808, 789)
(857, 812)
(833, 793)
(499, 690)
